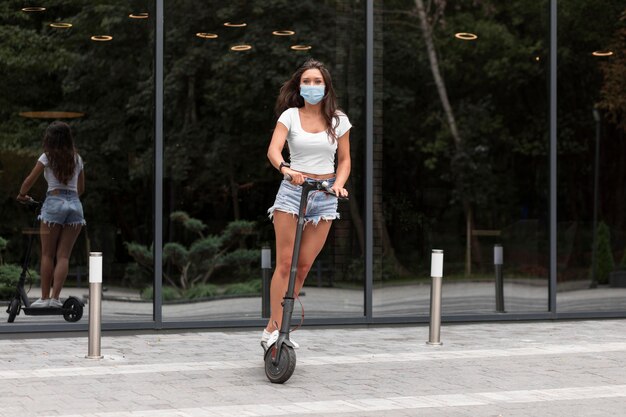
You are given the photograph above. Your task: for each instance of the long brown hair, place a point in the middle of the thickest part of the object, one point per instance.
(289, 96)
(58, 145)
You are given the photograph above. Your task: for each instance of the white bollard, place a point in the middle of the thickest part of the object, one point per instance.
(266, 268)
(95, 305)
(498, 260)
(436, 273)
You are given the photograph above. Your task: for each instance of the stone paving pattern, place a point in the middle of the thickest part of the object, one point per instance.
(553, 368)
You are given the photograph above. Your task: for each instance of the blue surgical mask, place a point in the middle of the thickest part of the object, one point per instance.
(313, 94)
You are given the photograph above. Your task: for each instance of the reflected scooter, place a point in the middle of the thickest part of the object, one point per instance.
(72, 309)
(280, 357)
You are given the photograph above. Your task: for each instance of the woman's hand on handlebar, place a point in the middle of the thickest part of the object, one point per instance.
(339, 191)
(23, 198)
(294, 177)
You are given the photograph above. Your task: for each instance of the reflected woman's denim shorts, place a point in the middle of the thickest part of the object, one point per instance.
(320, 205)
(62, 207)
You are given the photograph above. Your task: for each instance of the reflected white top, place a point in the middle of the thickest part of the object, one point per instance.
(311, 152)
(53, 182)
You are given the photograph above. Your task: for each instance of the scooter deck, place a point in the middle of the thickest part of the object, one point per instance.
(43, 311)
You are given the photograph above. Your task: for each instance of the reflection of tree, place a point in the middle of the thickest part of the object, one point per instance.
(477, 127)
(491, 109)
(614, 71)
(426, 24)
(218, 103)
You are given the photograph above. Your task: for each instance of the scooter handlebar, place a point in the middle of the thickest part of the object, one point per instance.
(30, 202)
(322, 185)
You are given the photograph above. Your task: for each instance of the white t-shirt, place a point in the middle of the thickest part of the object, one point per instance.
(312, 152)
(53, 182)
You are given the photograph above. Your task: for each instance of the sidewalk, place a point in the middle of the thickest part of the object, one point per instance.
(569, 368)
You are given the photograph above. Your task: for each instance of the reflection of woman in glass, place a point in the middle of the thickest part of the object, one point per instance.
(315, 130)
(62, 212)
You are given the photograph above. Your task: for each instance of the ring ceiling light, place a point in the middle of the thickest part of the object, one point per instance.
(101, 38)
(240, 48)
(205, 35)
(283, 32)
(466, 36)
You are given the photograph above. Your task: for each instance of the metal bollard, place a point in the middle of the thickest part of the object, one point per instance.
(436, 273)
(95, 305)
(266, 267)
(497, 263)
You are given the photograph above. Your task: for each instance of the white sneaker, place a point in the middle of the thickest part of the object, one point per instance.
(274, 337)
(40, 303)
(266, 336)
(56, 303)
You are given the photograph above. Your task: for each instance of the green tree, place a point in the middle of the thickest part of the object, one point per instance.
(197, 263)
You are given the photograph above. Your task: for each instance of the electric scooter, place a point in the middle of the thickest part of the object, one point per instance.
(72, 309)
(280, 357)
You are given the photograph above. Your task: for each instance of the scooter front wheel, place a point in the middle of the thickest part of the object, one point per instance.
(14, 308)
(283, 370)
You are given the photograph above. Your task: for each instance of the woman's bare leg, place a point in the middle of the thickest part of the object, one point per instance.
(285, 230)
(67, 238)
(49, 235)
(313, 239)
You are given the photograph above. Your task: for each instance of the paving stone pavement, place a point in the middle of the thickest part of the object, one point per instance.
(553, 368)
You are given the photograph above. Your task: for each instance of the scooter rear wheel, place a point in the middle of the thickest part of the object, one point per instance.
(14, 308)
(75, 310)
(282, 371)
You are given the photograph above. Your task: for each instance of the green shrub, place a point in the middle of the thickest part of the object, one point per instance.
(201, 291)
(137, 276)
(190, 264)
(168, 293)
(244, 288)
(9, 276)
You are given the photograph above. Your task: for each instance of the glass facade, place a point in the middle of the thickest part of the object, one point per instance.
(591, 192)
(458, 143)
(461, 154)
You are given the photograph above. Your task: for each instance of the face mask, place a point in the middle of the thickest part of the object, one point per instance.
(313, 94)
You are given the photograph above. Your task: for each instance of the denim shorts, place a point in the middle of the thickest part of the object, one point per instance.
(320, 205)
(62, 207)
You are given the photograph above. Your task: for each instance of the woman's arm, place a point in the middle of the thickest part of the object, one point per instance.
(29, 181)
(344, 164)
(81, 182)
(275, 153)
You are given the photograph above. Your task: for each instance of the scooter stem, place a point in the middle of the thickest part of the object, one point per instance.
(288, 299)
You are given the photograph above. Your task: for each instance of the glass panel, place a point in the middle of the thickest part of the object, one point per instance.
(224, 66)
(592, 183)
(461, 142)
(54, 69)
